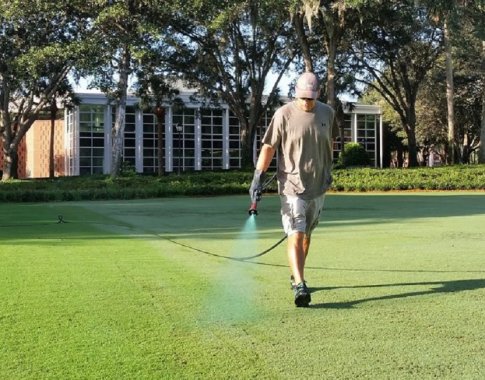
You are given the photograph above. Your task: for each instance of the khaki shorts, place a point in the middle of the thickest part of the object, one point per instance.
(299, 215)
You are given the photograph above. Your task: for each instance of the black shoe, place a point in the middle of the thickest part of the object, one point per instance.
(302, 295)
(293, 283)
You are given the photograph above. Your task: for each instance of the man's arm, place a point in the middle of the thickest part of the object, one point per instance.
(265, 157)
(256, 189)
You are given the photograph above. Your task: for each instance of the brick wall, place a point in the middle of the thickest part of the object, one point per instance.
(33, 151)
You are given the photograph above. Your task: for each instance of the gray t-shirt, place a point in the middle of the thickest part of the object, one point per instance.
(303, 141)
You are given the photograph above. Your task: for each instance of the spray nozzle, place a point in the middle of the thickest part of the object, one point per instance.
(253, 209)
(255, 198)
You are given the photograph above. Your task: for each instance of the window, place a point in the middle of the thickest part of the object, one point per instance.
(211, 138)
(366, 133)
(91, 139)
(129, 137)
(184, 139)
(234, 142)
(151, 141)
(337, 143)
(70, 133)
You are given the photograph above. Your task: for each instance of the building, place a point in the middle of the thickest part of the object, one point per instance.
(363, 125)
(34, 151)
(194, 137)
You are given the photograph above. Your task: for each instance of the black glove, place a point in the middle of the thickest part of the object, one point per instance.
(257, 185)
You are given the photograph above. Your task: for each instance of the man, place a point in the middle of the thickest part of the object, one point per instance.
(301, 132)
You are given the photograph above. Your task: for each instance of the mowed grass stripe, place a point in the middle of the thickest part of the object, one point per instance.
(398, 287)
(103, 307)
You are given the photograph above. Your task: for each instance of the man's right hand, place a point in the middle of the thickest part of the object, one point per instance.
(256, 188)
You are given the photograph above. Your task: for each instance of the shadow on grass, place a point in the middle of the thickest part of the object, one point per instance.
(205, 218)
(441, 287)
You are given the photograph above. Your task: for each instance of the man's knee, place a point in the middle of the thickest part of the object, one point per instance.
(296, 239)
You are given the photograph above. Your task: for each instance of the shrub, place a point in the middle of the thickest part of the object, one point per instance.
(460, 177)
(353, 154)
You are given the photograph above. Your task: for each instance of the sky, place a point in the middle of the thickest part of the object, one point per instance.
(284, 85)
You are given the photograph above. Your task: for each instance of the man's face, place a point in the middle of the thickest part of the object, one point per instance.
(306, 104)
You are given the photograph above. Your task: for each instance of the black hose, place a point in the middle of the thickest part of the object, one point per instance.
(61, 220)
(245, 258)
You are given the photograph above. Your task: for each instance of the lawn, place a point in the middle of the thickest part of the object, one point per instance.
(149, 289)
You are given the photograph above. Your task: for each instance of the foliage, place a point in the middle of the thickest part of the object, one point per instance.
(431, 105)
(227, 50)
(325, 42)
(126, 35)
(393, 54)
(467, 177)
(354, 154)
(40, 42)
(431, 130)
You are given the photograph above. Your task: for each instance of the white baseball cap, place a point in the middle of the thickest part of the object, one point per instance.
(307, 86)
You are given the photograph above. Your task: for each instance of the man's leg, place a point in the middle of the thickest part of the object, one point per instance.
(299, 219)
(297, 249)
(306, 245)
(296, 256)
(298, 243)
(312, 217)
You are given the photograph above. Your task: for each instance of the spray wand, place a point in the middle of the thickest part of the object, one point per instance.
(255, 198)
(256, 190)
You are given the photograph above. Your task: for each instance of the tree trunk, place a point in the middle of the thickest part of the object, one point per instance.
(302, 39)
(466, 151)
(5, 128)
(331, 99)
(400, 156)
(118, 132)
(332, 53)
(412, 150)
(9, 148)
(247, 138)
(119, 127)
(409, 126)
(52, 136)
(481, 152)
(10, 163)
(450, 95)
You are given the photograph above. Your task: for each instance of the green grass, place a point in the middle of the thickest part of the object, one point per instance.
(398, 284)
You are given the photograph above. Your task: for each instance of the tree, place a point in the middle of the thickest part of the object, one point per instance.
(481, 155)
(460, 20)
(431, 114)
(227, 49)
(124, 36)
(327, 40)
(452, 15)
(469, 85)
(335, 21)
(39, 43)
(444, 10)
(450, 91)
(479, 14)
(398, 48)
(154, 87)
